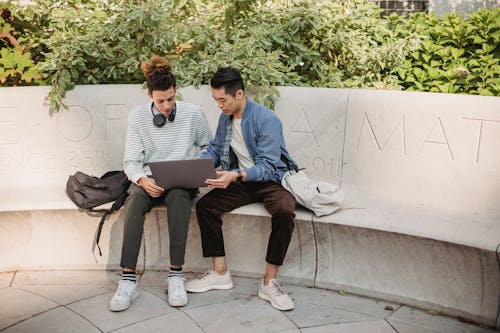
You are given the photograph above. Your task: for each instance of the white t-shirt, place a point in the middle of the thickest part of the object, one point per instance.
(245, 161)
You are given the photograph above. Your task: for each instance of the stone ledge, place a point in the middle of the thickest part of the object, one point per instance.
(452, 278)
(378, 263)
(481, 233)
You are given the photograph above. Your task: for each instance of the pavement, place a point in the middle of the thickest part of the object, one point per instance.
(77, 301)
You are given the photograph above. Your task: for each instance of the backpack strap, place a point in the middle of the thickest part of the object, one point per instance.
(288, 164)
(99, 229)
(116, 205)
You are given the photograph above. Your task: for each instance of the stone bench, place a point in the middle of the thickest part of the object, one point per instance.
(421, 219)
(420, 173)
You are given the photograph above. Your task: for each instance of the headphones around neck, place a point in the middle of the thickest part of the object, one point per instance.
(159, 119)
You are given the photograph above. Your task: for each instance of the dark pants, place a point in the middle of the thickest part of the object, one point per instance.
(278, 201)
(138, 203)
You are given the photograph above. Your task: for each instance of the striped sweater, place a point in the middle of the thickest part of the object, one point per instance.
(183, 138)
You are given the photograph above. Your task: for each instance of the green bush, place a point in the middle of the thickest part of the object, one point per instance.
(321, 43)
(457, 55)
(92, 42)
(299, 43)
(16, 64)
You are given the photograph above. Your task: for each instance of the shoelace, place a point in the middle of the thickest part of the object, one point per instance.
(177, 285)
(206, 275)
(275, 288)
(123, 291)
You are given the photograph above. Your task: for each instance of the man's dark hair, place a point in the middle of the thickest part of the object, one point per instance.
(228, 78)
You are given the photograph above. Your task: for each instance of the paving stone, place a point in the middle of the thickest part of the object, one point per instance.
(59, 320)
(340, 301)
(401, 327)
(177, 322)
(252, 316)
(66, 294)
(427, 321)
(159, 292)
(378, 326)
(95, 310)
(308, 314)
(17, 305)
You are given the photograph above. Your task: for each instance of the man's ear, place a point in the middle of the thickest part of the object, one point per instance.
(240, 94)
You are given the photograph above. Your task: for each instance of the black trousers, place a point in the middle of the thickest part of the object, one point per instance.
(278, 201)
(138, 203)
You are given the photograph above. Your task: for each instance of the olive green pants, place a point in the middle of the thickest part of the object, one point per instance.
(138, 203)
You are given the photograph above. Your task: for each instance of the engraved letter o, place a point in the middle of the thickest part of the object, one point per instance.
(75, 124)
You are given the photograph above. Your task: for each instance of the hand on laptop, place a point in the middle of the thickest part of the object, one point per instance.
(149, 185)
(224, 179)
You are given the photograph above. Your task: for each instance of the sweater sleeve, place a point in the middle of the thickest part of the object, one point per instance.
(134, 155)
(203, 134)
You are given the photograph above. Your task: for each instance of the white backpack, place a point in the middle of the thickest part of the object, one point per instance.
(320, 197)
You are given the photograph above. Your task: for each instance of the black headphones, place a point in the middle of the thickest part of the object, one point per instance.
(159, 119)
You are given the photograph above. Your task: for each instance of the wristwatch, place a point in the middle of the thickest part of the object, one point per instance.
(240, 176)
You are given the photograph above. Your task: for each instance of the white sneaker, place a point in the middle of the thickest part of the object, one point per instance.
(275, 295)
(124, 295)
(208, 281)
(177, 295)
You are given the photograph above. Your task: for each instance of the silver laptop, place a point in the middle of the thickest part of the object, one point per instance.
(182, 173)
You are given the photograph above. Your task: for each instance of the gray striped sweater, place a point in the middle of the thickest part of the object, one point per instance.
(184, 138)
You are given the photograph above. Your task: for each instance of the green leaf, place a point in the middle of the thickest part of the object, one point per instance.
(485, 92)
(457, 53)
(436, 63)
(30, 75)
(444, 87)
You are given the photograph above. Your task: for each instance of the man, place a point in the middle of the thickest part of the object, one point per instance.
(250, 148)
(161, 130)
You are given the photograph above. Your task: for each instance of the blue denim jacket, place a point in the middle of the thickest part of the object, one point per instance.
(263, 135)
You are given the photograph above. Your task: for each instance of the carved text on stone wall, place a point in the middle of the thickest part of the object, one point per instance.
(437, 134)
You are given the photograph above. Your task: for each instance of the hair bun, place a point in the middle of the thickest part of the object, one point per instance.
(157, 65)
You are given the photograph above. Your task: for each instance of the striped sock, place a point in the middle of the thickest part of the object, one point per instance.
(176, 272)
(129, 276)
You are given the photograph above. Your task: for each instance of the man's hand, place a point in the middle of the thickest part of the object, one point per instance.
(224, 179)
(149, 185)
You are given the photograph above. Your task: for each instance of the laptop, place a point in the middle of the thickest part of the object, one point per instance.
(182, 173)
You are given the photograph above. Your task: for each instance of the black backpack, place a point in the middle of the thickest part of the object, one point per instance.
(88, 192)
